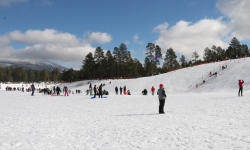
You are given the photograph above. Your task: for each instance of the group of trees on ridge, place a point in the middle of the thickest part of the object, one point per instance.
(119, 63)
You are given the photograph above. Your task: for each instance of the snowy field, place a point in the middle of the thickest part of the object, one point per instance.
(211, 116)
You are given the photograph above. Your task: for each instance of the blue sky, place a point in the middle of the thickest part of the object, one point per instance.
(65, 31)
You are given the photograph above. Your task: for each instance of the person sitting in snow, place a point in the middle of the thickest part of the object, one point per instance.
(124, 92)
(128, 92)
(144, 92)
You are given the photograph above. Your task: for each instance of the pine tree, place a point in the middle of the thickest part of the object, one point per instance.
(235, 45)
(109, 64)
(245, 50)
(31, 76)
(118, 59)
(8, 77)
(195, 56)
(158, 55)
(183, 61)
(69, 75)
(88, 67)
(2, 74)
(170, 61)
(99, 58)
(220, 53)
(139, 66)
(44, 75)
(230, 52)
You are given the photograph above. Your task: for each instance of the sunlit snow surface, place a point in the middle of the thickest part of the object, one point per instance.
(211, 116)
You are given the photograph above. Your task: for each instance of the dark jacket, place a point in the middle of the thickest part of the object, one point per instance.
(100, 89)
(33, 87)
(144, 92)
(58, 89)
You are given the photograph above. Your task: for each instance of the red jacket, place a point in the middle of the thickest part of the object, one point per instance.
(152, 89)
(241, 83)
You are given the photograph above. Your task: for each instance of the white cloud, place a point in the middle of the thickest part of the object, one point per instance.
(99, 37)
(238, 13)
(46, 44)
(136, 39)
(45, 36)
(10, 2)
(161, 27)
(185, 37)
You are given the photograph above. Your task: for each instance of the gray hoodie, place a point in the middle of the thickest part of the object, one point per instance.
(161, 93)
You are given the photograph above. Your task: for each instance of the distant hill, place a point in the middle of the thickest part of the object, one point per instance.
(31, 64)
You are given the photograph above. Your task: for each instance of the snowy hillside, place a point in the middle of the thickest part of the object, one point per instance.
(211, 116)
(185, 80)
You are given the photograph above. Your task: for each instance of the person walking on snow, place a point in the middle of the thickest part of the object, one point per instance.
(153, 90)
(162, 96)
(240, 87)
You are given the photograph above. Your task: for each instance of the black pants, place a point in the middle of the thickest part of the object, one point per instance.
(94, 93)
(100, 94)
(161, 107)
(240, 91)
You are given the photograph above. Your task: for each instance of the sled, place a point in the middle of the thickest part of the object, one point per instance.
(98, 97)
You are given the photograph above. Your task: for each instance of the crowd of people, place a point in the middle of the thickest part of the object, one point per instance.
(97, 90)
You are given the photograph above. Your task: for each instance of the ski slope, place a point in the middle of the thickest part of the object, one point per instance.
(211, 116)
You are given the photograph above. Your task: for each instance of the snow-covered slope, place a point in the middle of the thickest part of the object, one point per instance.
(211, 116)
(184, 80)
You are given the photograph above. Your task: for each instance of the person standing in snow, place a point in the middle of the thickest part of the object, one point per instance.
(240, 87)
(100, 91)
(116, 90)
(95, 91)
(54, 89)
(58, 90)
(153, 90)
(90, 89)
(66, 93)
(162, 96)
(33, 88)
(120, 90)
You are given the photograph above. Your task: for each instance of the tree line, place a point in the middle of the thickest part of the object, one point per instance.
(120, 64)
(19, 74)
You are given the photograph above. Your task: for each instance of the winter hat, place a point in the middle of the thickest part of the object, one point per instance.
(161, 85)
